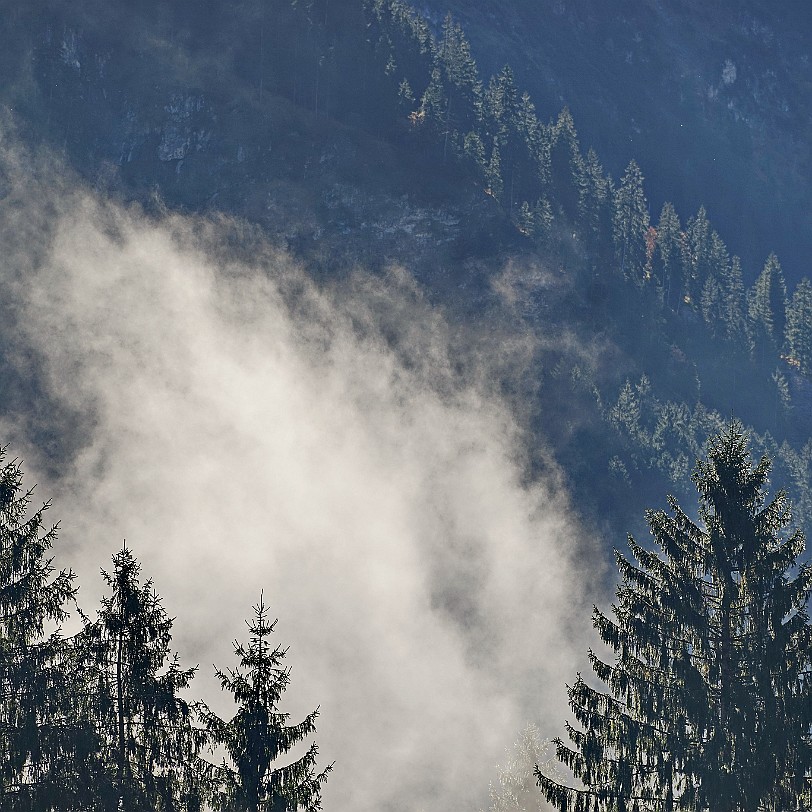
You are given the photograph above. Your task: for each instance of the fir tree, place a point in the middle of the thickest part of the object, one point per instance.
(708, 704)
(463, 89)
(566, 164)
(536, 144)
(501, 118)
(259, 732)
(712, 301)
(734, 306)
(594, 203)
(433, 103)
(697, 256)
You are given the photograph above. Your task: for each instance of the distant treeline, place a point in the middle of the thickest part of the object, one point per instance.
(539, 174)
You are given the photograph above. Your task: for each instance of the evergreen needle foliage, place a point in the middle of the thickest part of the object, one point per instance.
(708, 703)
(258, 733)
(41, 749)
(148, 744)
(97, 722)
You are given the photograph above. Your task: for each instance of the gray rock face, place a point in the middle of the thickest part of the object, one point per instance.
(179, 134)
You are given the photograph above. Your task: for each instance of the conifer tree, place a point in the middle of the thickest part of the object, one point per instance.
(566, 164)
(734, 306)
(767, 304)
(42, 745)
(667, 261)
(461, 84)
(799, 327)
(501, 119)
(259, 732)
(697, 256)
(594, 203)
(630, 223)
(716, 271)
(149, 745)
(536, 143)
(708, 703)
(433, 103)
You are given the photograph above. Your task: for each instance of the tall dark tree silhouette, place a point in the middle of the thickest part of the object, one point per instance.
(43, 747)
(149, 744)
(259, 733)
(708, 703)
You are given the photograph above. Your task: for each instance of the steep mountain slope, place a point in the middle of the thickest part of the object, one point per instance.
(711, 99)
(296, 118)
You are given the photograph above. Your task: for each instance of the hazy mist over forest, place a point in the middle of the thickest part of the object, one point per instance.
(245, 431)
(318, 301)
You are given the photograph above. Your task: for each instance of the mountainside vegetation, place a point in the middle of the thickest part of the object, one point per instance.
(364, 133)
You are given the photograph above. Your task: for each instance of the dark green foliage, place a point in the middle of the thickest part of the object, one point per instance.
(97, 723)
(149, 745)
(41, 742)
(707, 704)
(259, 733)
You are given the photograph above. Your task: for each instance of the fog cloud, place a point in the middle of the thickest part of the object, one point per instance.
(245, 431)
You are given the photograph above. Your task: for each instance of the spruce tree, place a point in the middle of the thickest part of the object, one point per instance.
(149, 746)
(42, 745)
(630, 224)
(767, 302)
(799, 327)
(594, 203)
(708, 703)
(463, 89)
(566, 164)
(733, 308)
(506, 123)
(697, 256)
(667, 265)
(259, 732)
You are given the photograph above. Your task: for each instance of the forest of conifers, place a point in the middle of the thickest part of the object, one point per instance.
(722, 338)
(707, 702)
(98, 720)
(710, 632)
